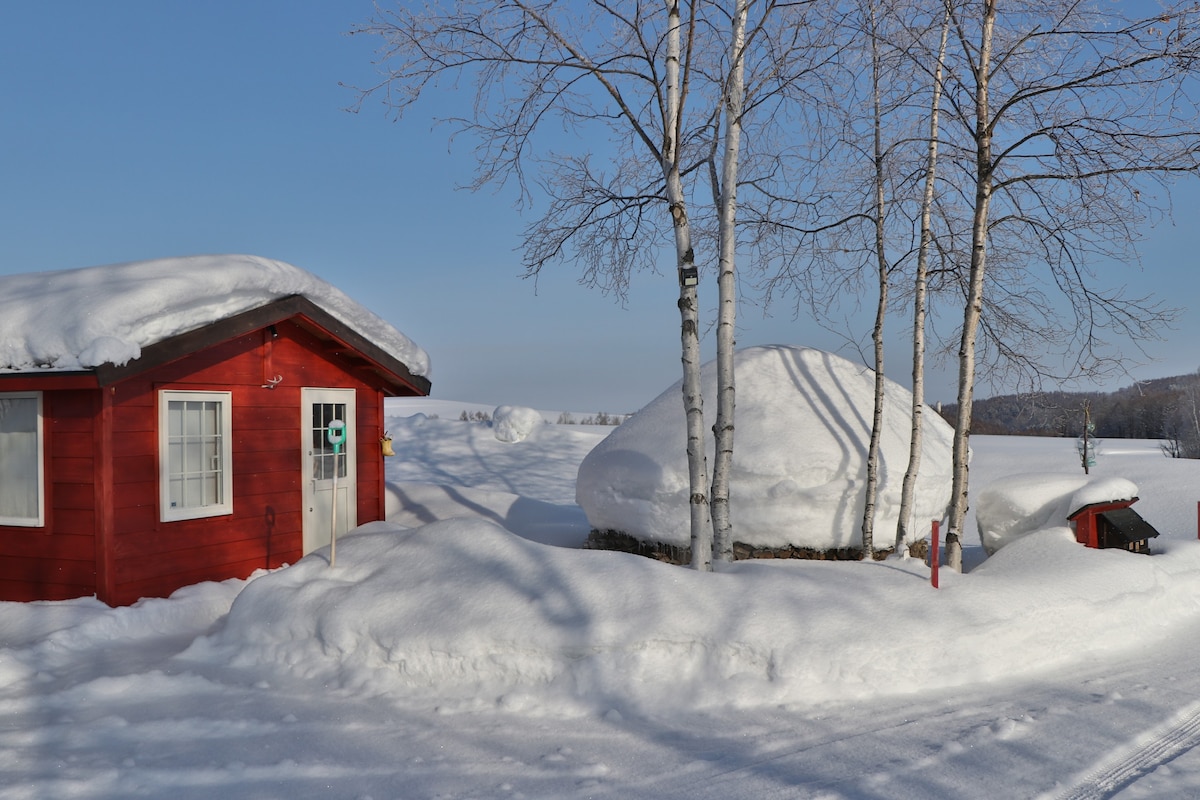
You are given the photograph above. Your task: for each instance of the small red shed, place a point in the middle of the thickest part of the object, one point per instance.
(164, 423)
(1112, 524)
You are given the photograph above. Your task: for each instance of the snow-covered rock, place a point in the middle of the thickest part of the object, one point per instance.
(803, 425)
(82, 318)
(515, 423)
(1017, 505)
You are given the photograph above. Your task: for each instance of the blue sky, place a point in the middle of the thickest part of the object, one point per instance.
(149, 128)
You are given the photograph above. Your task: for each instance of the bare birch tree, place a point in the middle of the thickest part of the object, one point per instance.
(625, 70)
(733, 107)
(693, 398)
(774, 49)
(1063, 120)
(920, 295)
(867, 185)
(883, 276)
(1070, 113)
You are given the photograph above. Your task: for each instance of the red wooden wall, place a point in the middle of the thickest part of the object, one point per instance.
(103, 532)
(59, 560)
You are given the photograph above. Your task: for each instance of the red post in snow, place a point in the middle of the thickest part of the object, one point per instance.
(934, 555)
(1198, 520)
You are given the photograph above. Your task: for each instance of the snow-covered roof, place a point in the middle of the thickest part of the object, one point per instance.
(84, 318)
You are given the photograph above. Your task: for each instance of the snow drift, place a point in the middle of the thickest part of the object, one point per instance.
(462, 614)
(803, 424)
(1017, 505)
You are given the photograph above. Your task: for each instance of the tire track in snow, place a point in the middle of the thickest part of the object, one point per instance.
(1126, 765)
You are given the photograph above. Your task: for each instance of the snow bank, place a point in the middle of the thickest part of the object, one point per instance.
(1017, 505)
(515, 423)
(803, 423)
(462, 614)
(82, 318)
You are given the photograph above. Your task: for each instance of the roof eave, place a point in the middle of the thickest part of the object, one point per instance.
(48, 380)
(394, 374)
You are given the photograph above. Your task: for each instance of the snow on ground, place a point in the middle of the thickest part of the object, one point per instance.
(799, 458)
(452, 655)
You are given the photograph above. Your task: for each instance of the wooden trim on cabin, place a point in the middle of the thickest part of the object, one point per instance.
(380, 363)
(47, 381)
(346, 342)
(103, 488)
(376, 450)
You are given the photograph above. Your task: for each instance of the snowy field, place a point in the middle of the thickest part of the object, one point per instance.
(466, 649)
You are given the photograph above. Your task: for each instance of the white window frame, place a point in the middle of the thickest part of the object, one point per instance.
(173, 513)
(39, 520)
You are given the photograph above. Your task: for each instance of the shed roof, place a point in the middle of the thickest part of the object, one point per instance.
(102, 318)
(1129, 524)
(1096, 507)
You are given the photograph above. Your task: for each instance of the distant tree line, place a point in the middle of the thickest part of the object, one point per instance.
(1163, 408)
(601, 418)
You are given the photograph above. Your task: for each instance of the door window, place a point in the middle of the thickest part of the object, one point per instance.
(325, 461)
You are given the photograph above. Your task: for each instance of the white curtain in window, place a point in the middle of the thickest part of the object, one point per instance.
(18, 458)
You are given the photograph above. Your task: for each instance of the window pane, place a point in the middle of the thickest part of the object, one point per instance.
(194, 452)
(192, 456)
(19, 463)
(211, 423)
(212, 489)
(192, 497)
(191, 418)
(18, 414)
(322, 450)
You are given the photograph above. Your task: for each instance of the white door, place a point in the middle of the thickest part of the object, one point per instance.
(323, 469)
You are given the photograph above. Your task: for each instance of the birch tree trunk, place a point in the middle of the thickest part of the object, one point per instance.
(974, 305)
(727, 288)
(685, 259)
(880, 204)
(920, 300)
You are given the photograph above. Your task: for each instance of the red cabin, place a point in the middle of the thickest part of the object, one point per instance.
(203, 458)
